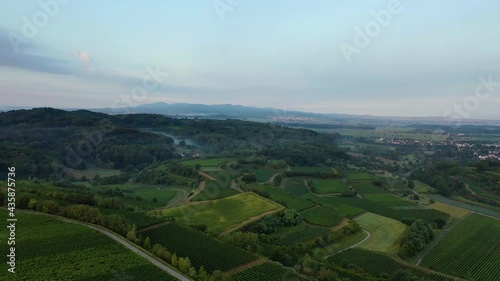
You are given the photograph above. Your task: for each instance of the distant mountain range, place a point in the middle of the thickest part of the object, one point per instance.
(294, 118)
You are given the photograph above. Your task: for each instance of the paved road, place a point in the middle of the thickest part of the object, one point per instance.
(127, 244)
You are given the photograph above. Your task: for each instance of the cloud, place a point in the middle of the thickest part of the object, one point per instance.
(36, 58)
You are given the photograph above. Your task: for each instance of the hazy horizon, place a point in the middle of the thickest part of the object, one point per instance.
(381, 58)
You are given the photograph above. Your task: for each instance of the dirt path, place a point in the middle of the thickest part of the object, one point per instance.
(127, 244)
(246, 266)
(271, 180)
(250, 220)
(200, 188)
(334, 171)
(233, 185)
(179, 199)
(343, 223)
(205, 175)
(352, 246)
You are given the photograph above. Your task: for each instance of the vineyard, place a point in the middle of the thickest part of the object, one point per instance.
(358, 176)
(296, 186)
(384, 231)
(324, 186)
(366, 187)
(302, 235)
(267, 272)
(471, 250)
(212, 192)
(387, 199)
(334, 202)
(199, 247)
(140, 219)
(222, 214)
(379, 264)
(322, 216)
(54, 250)
(428, 215)
(280, 196)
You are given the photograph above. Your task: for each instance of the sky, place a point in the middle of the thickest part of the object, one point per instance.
(387, 58)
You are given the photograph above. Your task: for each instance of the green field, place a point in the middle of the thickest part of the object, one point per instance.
(212, 162)
(322, 216)
(282, 197)
(267, 272)
(379, 264)
(387, 199)
(366, 187)
(50, 249)
(423, 187)
(304, 234)
(471, 250)
(337, 204)
(146, 193)
(451, 210)
(358, 176)
(384, 232)
(140, 219)
(296, 186)
(201, 249)
(322, 169)
(325, 186)
(212, 192)
(264, 175)
(322, 252)
(222, 214)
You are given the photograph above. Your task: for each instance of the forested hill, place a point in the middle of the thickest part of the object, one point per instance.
(40, 141)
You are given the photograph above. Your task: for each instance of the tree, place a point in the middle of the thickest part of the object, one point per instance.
(2, 198)
(147, 244)
(174, 261)
(411, 184)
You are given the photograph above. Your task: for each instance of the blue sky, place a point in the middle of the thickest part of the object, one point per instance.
(284, 54)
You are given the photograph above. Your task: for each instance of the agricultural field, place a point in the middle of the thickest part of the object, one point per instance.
(212, 192)
(358, 176)
(462, 205)
(325, 186)
(267, 272)
(423, 187)
(212, 162)
(296, 186)
(428, 215)
(453, 211)
(333, 201)
(199, 247)
(380, 265)
(387, 199)
(51, 249)
(322, 169)
(322, 252)
(304, 234)
(91, 173)
(471, 250)
(280, 196)
(384, 232)
(322, 216)
(222, 214)
(264, 175)
(142, 195)
(366, 187)
(140, 219)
